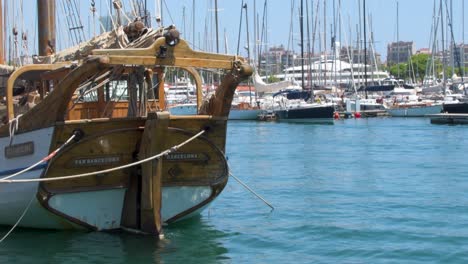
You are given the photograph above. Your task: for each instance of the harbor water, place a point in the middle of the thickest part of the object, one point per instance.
(378, 190)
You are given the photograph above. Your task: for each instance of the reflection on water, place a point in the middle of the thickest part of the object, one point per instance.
(183, 242)
(194, 239)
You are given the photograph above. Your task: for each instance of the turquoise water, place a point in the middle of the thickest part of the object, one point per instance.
(376, 190)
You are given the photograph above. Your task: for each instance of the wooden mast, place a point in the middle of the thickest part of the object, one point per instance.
(46, 27)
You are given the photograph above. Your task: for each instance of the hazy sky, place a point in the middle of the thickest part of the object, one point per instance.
(415, 20)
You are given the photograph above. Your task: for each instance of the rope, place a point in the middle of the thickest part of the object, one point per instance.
(109, 13)
(252, 191)
(19, 220)
(125, 15)
(165, 152)
(13, 127)
(51, 155)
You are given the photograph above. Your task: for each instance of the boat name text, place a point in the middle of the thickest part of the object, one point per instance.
(19, 150)
(186, 157)
(96, 161)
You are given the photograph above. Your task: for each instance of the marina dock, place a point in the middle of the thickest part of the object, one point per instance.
(445, 118)
(364, 114)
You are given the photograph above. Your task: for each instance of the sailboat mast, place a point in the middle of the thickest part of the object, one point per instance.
(301, 26)
(46, 26)
(444, 81)
(365, 48)
(309, 55)
(146, 13)
(193, 24)
(225, 42)
(255, 33)
(398, 40)
(455, 52)
(248, 46)
(2, 57)
(263, 38)
(247, 29)
(240, 27)
(325, 42)
(158, 7)
(452, 54)
(216, 23)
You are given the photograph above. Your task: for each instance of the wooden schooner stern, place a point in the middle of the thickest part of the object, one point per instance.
(108, 164)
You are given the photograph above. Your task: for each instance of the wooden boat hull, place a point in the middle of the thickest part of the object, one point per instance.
(108, 201)
(134, 172)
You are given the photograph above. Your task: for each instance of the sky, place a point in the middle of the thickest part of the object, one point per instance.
(414, 21)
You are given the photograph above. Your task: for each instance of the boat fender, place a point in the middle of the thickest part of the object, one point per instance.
(336, 115)
(357, 115)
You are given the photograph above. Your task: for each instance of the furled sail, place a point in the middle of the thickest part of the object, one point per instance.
(262, 87)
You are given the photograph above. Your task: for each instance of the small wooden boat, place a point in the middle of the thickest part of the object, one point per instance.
(82, 159)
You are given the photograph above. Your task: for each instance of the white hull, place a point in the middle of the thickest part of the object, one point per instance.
(176, 200)
(183, 109)
(15, 197)
(234, 114)
(248, 114)
(419, 111)
(101, 210)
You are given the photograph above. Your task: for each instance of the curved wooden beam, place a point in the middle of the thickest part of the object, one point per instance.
(198, 83)
(53, 107)
(16, 74)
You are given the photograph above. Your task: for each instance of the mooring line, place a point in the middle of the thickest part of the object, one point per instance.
(165, 152)
(51, 155)
(19, 220)
(252, 191)
(5, 180)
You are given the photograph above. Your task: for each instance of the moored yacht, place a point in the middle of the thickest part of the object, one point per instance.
(325, 73)
(296, 106)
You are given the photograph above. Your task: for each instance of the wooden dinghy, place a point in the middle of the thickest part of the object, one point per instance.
(81, 159)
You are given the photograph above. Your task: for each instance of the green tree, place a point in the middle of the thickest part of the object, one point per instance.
(419, 62)
(399, 70)
(448, 71)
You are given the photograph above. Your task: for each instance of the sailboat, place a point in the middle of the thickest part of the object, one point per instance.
(412, 106)
(243, 106)
(299, 105)
(415, 108)
(459, 106)
(241, 109)
(82, 159)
